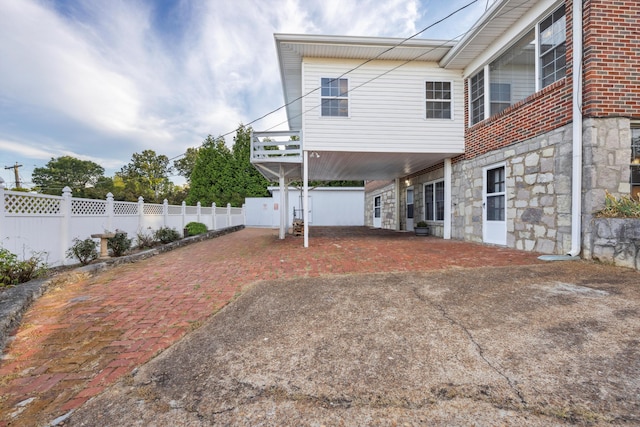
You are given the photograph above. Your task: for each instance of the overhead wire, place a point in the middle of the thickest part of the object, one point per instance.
(348, 71)
(416, 58)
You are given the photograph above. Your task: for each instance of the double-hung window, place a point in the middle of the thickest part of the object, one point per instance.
(334, 97)
(438, 98)
(553, 35)
(476, 98)
(635, 162)
(434, 201)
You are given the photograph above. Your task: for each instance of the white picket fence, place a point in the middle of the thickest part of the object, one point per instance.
(33, 224)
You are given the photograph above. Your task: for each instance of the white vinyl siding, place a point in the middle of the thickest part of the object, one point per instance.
(386, 111)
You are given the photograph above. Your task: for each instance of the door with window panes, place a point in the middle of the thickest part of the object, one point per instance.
(377, 212)
(410, 209)
(494, 227)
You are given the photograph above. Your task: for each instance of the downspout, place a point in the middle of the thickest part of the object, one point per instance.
(576, 182)
(397, 197)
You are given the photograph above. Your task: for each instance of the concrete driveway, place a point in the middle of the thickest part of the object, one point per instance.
(539, 345)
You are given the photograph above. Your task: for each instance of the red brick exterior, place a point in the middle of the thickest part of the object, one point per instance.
(611, 58)
(611, 81)
(541, 112)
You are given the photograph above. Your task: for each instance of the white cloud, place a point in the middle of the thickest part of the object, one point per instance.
(101, 80)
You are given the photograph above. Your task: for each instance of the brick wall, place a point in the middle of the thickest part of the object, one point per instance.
(541, 112)
(612, 58)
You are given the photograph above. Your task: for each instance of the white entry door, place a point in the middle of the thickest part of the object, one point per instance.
(410, 209)
(377, 212)
(494, 227)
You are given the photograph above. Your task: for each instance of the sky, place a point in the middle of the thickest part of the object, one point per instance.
(101, 80)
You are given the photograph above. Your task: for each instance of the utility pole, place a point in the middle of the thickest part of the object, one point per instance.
(15, 172)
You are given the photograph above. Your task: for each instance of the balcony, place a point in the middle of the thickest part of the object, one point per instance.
(277, 154)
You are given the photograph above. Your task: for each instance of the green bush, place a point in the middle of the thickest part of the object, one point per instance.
(166, 235)
(119, 244)
(624, 207)
(194, 228)
(145, 240)
(84, 251)
(14, 271)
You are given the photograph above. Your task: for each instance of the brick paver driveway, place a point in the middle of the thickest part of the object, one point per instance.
(81, 337)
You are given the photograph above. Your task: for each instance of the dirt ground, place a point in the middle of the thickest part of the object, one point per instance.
(549, 344)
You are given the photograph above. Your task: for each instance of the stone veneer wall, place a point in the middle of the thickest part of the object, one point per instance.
(538, 184)
(388, 206)
(538, 193)
(436, 228)
(606, 167)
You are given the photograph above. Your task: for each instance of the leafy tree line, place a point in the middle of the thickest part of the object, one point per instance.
(214, 173)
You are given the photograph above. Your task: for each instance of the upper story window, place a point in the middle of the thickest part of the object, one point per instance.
(635, 162)
(476, 97)
(553, 36)
(438, 98)
(334, 97)
(512, 76)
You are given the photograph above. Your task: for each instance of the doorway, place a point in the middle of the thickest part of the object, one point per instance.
(494, 210)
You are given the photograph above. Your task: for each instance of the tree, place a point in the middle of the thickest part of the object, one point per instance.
(249, 182)
(212, 178)
(224, 176)
(185, 165)
(146, 175)
(67, 171)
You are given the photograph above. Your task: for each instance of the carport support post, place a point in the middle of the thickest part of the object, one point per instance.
(283, 212)
(305, 197)
(447, 199)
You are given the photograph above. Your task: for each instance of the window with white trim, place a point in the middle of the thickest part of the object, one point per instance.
(635, 161)
(438, 100)
(512, 76)
(434, 201)
(476, 97)
(553, 49)
(334, 97)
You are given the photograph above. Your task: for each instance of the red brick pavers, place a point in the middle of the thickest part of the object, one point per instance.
(79, 338)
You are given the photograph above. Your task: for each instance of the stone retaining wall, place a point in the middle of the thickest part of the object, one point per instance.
(616, 241)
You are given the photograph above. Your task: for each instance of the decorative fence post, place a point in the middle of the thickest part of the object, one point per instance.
(244, 214)
(213, 216)
(228, 214)
(2, 202)
(184, 214)
(165, 213)
(199, 206)
(65, 210)
(109, 212)
(140, 214)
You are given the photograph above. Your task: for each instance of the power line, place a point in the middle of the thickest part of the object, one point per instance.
(416, 58)
(346, 72)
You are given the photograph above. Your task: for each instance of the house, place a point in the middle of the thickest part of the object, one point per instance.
(489, 139)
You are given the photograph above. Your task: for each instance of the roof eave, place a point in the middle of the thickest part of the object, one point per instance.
(470, 35)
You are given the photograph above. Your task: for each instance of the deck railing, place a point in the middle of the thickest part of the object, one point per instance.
(276, 146)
